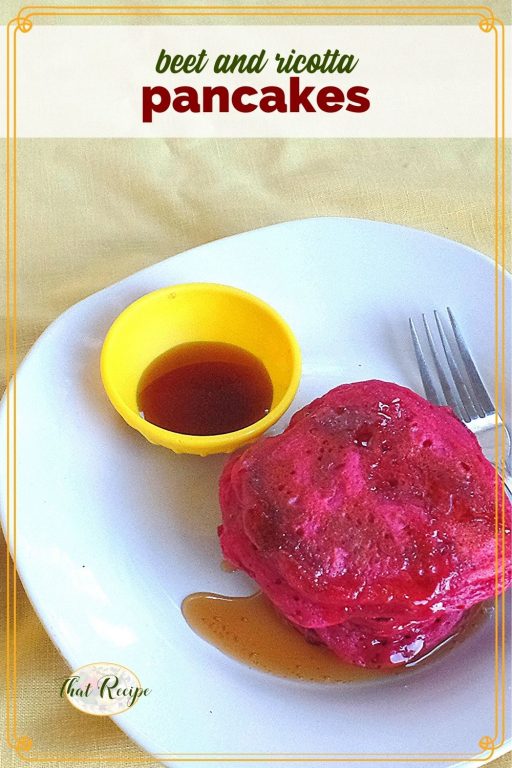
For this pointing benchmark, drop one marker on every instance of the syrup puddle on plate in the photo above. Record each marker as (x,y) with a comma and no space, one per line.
(251,631)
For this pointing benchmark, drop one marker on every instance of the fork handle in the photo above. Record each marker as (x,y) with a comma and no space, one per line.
(507,480)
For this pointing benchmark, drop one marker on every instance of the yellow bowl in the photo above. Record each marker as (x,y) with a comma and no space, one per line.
(197,312)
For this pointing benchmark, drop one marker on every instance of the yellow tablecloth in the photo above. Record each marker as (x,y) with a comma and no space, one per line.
(94,211)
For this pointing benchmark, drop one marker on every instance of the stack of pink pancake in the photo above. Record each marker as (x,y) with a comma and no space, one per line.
(369,522)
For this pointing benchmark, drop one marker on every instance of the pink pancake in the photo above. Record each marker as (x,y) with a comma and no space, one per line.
(370,520)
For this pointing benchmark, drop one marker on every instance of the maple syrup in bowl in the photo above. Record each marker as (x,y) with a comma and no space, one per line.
(200,368)
(205,388)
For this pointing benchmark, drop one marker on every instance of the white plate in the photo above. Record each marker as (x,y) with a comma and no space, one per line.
(113,533)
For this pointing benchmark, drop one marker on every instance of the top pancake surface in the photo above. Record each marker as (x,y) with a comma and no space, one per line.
(372,502)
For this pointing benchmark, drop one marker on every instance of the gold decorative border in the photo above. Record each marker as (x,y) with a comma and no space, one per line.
(487,22)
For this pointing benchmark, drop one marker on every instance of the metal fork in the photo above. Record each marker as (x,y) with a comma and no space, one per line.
(462,388)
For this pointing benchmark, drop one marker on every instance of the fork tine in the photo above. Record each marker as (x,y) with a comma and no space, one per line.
(428,384)
(472,411)
(448,392)
(477,385)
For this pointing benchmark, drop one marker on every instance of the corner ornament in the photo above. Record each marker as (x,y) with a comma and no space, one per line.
(487,24)
(487,744)
(23,23)
(23,744)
